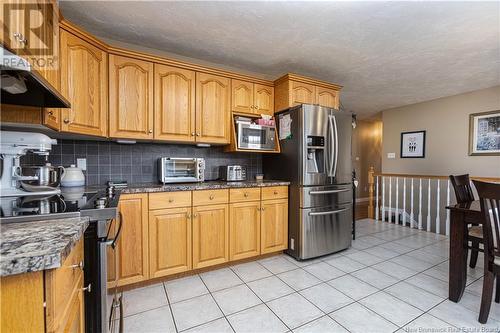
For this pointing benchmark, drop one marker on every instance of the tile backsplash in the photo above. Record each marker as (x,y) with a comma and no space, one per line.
(137,163)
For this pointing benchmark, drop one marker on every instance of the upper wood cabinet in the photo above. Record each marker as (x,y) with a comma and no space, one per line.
(248,97)
(210,235)
(84,84)
(263,99)
(130,98)
(327,97)
(169,241)
(274,225)
(244,229)
(302,93)
(132,248)
(292,90)
(174,104)
(213,98)
(242,96)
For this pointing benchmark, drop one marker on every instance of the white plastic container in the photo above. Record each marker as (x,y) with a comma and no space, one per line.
(72,177)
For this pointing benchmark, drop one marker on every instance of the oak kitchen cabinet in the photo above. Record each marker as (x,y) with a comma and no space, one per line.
(130,98)
(132,247)
(84,83)
(244,229)
(253,98)
(292,90)
(274,225)
(213,98)
(174,108)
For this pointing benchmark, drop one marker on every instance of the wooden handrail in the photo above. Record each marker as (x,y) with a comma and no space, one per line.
(403,175)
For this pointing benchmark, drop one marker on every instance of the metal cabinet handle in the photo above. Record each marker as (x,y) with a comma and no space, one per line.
(66,121)
(193,133)
(197,134)
(211,197)
(195,215)
(329,191)
(275,192)
(170,200)
(150,131)
(245,195)
(79,265)
(87,288)
(50,113)
(188,216)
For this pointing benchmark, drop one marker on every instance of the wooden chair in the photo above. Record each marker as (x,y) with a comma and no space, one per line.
(489,194)
(463,193)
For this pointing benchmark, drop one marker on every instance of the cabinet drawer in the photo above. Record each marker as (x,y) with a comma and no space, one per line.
(210,197)
(244,194)
(274,192)
(169,200)
(60,286)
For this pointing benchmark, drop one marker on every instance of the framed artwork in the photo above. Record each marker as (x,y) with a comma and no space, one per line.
(413,144)
(484,133)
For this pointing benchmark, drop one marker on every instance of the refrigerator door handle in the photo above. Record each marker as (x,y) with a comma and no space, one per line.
(330,146)
(331,212)
(336,147)
(328,192)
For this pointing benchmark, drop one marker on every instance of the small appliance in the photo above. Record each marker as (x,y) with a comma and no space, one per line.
(181,170)
(232,173)
(12,146)
(73,177)
(252,136)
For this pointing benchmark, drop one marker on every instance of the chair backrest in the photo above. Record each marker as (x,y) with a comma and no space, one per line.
(489,195)
(463,190)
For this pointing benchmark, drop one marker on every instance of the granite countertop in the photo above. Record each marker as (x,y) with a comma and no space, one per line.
(38,245)
(208,185)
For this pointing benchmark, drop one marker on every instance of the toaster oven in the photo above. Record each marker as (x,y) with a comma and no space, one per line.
(181,170)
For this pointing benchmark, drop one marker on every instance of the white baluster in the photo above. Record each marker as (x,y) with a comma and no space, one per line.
(412,216)
(404,201)
(420,203)
(448,211)
(376,199)
(383,198)
(396,213)
(438,203)
(390,199)
(429,206)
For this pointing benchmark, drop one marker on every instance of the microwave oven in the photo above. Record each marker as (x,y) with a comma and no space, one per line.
(181,170)
(252,136)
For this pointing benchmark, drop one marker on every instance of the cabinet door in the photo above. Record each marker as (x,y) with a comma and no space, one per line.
(169,241)
(242,96)
(130,98)
(84,84)
(75,320)
(132,247)
(301,93)
(327,97)
(210,235)
(174,104)
(264,99)
(212,108)
(244,230)
(274,226)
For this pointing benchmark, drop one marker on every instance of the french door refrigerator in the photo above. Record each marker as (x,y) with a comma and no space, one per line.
(316,158)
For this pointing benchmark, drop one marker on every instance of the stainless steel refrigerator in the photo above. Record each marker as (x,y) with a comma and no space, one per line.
(316,158)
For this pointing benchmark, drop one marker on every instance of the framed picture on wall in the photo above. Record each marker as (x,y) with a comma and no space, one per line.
(484,133)
(413,144)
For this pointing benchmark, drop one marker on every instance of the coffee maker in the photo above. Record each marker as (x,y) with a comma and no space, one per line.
(13,145)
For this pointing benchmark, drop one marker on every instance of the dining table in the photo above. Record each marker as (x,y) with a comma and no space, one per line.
(461,216)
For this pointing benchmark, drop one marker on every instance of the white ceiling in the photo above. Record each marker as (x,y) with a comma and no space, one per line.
(385,54)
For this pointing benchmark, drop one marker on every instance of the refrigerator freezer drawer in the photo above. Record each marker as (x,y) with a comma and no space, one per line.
(325,196)
(324,231)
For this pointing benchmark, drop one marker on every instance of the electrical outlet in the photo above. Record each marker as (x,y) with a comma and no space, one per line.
(81,163)
(391,155)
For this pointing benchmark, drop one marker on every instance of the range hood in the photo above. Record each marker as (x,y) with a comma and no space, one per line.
(21,85)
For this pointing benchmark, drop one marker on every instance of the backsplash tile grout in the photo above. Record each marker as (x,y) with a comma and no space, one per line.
(138,162)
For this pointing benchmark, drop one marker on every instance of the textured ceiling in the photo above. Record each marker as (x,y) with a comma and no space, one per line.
(385,54)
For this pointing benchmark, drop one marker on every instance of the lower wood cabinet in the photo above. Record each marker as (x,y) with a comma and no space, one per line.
(274,226)
(244,230)
(132,247)
(210,235)
(75,319)
(169,241)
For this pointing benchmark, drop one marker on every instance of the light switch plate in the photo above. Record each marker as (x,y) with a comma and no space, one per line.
(391,155)
(81,163)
